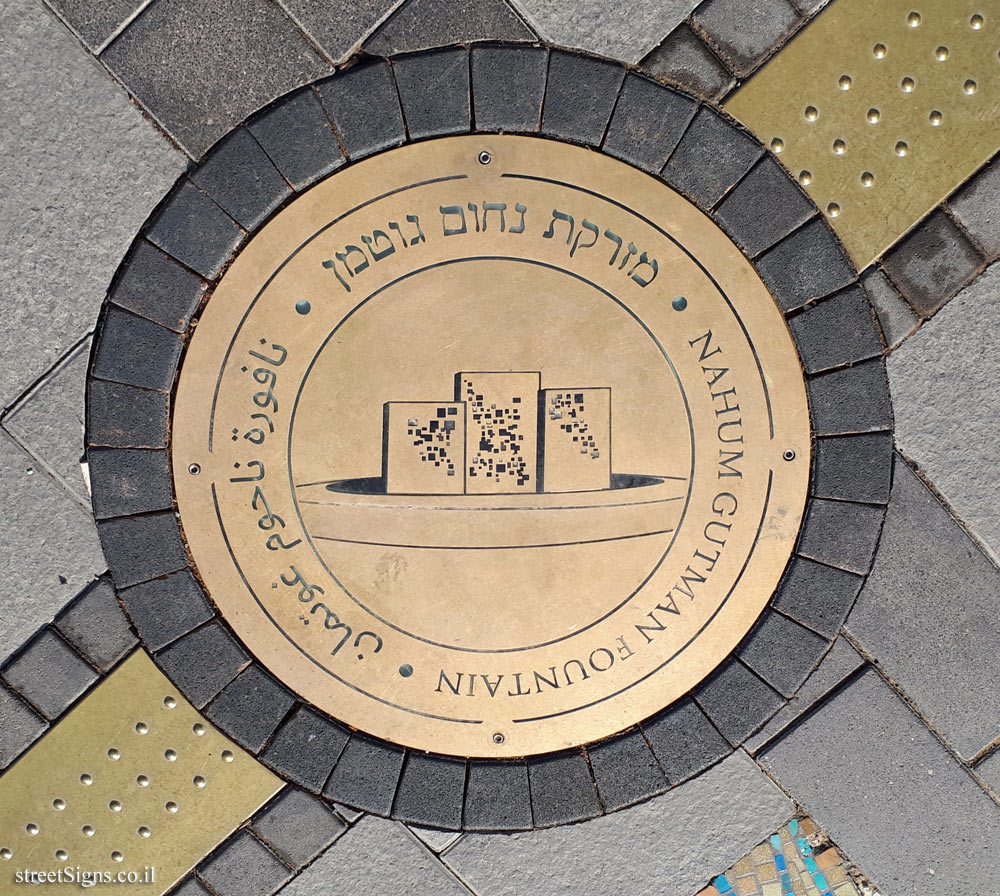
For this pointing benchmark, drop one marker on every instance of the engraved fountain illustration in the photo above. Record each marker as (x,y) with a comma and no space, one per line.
(504,464)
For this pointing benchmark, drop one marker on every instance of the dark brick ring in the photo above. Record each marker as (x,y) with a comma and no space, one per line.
(216,207)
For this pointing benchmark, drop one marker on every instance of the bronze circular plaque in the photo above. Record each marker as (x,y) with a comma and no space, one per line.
(491,445)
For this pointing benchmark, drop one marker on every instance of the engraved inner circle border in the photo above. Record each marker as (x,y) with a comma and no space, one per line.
(491,650)
(690,255)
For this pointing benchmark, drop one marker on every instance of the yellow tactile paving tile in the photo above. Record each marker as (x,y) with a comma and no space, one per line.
(133,778)
(881,110)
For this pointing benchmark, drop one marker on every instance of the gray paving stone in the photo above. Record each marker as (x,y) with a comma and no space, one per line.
(508,86)
(712,156)
(298,827)
(763,207)
(604,28)
(988,769)
(166,608)
(580,95)
(895,316)
(932,263)
(975,206)
(127,481)
(239,177)
(836,331)
(20,726)
(685,60)
(306,748)
(745,34)
(297,136)
(250,707)
(562,789)
(51,551)
(782,652)
(95,22)
(379,857)
(434,92)
(49,421)
(154,286)
(349,98)
(142,547)
(438,841)
(737,701)
(863,761)
(944,388)
(366,774)
(244,867)
(80,153)
(671,844)
(497,796)
(191,886)
(807,265)
(809,7)
(121,416)
(49,673)
(625,770)
(193,229)
(203,662)
(421,24)
(431,791)
(684,741)
(928,615)
(201,68)
(816,595)
(854,468)
(647,123)
(853,399)
(841,533)
(338,28)
(136,351)
(839,664)
(96,626)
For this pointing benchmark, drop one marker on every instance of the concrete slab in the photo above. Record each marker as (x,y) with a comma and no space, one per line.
(627,33)
(376,856)
(864,766)
(944,394)
(51,551)
(338,28)
(82,170)
(928,615)
(671,844)
(48,421)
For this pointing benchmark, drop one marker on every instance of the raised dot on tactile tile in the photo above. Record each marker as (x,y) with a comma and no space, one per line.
(913,19)
(805,178)
(198,781)
(198,728)
(170,702)
(170,755)
(879,51)
(61,855)
(901,149)
(114,754)
(141,728)
(6,853)
(811,113)
(867,179)
(142,781)
(976,22)
(970,87)
(115,806)
(845,82)
(935,118)
(144,832)
(907,85)
(86,780)
(833,210)
(941,53)
(777,145)
(839,147)
(227,756)
(117,857)
(170,807)
(58,805)
(874,115)
(87,830)
(32,829)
